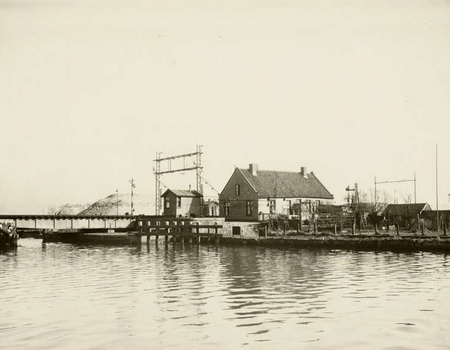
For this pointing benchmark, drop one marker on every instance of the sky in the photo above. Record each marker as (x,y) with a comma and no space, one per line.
(90,90)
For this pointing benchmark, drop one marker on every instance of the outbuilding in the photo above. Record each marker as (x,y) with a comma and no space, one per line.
(184,203)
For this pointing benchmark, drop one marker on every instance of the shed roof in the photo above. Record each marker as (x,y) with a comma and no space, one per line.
(283,184)
(182,193)
(410,209)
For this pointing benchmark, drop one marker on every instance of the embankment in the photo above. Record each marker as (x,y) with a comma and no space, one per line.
(350,242)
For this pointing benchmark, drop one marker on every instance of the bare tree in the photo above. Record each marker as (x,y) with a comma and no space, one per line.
(372,204)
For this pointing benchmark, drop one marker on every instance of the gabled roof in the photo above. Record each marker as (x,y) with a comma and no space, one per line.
(411,209)
(283,184)
(182,193)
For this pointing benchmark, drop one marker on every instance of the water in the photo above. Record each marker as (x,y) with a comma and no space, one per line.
(63,296)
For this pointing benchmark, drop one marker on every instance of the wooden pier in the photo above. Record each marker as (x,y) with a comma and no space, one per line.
(177,230)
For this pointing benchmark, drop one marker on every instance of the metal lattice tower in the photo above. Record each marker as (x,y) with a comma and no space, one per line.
(158,173)
(158,203)
(199,170)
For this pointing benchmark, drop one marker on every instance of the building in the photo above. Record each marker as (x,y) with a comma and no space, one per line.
(252,194)
(405,215)
(182,203)
(211,208)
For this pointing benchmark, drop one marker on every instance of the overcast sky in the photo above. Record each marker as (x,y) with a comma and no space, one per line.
(90,90)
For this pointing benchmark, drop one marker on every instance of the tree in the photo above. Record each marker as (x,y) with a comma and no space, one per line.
(374,205)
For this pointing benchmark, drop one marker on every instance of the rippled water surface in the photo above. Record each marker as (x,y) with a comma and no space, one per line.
(63,296)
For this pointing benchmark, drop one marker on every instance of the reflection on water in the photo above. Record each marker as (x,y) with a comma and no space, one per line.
(96,297)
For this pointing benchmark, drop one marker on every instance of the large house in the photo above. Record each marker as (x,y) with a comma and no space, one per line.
(252,194)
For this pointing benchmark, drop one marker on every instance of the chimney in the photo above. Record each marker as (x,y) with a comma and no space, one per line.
(189,188)
(303,172)
(253,169)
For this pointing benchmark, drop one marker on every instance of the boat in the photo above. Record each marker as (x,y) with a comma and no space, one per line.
(8,235)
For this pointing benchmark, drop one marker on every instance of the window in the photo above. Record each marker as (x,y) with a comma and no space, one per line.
(167,202)
(249,208)
(238,190)
(272,204)
(227,208)
(179,202)
(291,212)
(236,230)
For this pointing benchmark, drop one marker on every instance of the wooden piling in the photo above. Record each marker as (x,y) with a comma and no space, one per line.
(335,229)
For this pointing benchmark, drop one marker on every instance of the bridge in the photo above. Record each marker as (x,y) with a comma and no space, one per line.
(40,222)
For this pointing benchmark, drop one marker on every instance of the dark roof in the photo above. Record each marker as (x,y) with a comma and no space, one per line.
(411,209)
(182,193)
(283,184)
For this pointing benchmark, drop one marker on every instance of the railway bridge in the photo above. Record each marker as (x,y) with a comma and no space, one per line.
(41,222)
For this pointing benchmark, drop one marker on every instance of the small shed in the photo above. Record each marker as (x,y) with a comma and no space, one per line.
(182,203)
(406,215)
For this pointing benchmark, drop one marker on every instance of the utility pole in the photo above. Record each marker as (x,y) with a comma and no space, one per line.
(117,202)
(133,185)
(437,191)
(396,181)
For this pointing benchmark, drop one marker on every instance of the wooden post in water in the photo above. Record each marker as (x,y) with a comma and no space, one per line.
(197,230)
(353,228)
(216,232)
(335,229)
(397,226)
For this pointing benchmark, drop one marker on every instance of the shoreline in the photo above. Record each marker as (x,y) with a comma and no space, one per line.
(383,242)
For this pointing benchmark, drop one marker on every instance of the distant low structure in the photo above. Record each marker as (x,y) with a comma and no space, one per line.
(184,203)
(405,215)
(252,194)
